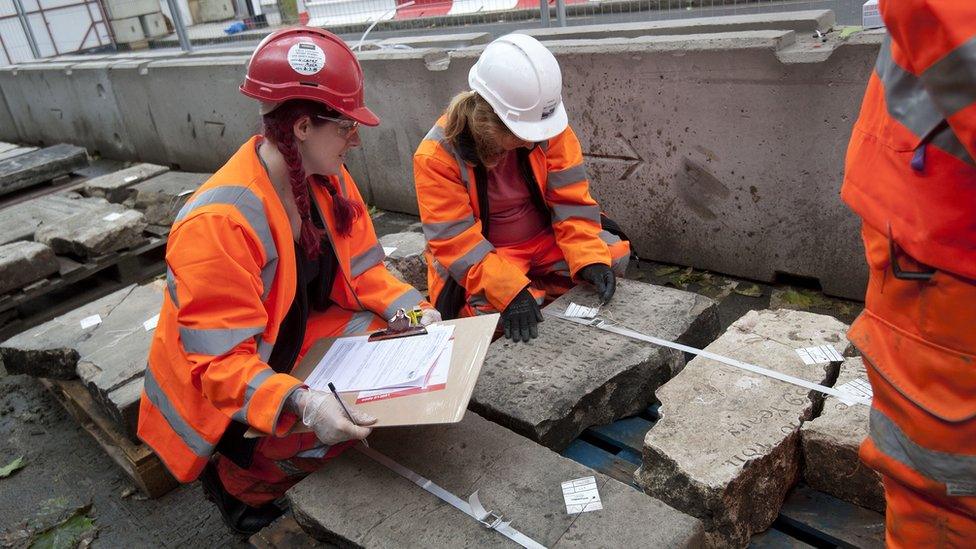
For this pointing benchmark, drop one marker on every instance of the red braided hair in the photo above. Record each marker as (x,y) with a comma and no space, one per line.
(278,128)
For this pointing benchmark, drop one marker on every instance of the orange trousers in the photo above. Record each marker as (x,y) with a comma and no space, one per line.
(281,462)
(918,338)
(543,262)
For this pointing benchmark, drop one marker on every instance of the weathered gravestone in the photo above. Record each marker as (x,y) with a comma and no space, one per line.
(22,263)
(25,170)
(355,501)
(406,258)
(573,377)
(161,197)
(831,442)
(21,221)
(94,233)
(109,357)
(116,187)
(727,448)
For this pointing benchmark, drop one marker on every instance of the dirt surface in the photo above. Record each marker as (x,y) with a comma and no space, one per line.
(66,469)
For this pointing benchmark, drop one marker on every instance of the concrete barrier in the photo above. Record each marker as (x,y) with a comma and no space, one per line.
(720,151)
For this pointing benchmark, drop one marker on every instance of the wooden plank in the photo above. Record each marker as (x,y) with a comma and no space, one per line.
(140,464)
(625,433)
(832,520)
(601,460)
(36,167)
(775,539)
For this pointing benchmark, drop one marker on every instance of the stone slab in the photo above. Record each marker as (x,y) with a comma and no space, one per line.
(161,197)
(19,222)
(354,501)
(573,377)
(407,259)
(117,186)
(50,350)
(727,448)
(9,150)
(22,263)
(91,234)
(35,167)
(830,444)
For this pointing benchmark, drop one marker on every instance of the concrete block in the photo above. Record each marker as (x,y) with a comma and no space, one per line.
(445,41)
(161,197)
(116,187)
(91,234)
(51,349)
(124,9)
(407,258)
(800,21)
(573,376)
(127,30)
(8,130)
(19,222)
(513,476)
(153,25)
(727,448)
(35,167)
(214,10)
(22,263)
(830,445)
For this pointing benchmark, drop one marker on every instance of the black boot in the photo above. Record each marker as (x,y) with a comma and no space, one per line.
(238,516)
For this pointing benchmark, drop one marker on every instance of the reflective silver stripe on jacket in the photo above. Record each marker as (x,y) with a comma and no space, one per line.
(251,207)
(444,230)
(910,104)
(562,212)
(460,267)
(406,301)
(187,434)
(952,469)
(561,178)
(951,80)
(364,261)
(215,341)
(359,322)
(252,387)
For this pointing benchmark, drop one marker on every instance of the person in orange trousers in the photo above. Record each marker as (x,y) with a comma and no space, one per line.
(911,177)
(504,198)
(273,252)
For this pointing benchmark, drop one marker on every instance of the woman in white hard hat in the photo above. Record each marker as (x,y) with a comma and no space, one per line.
(504,198)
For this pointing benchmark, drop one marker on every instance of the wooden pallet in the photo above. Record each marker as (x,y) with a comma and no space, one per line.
(140,464)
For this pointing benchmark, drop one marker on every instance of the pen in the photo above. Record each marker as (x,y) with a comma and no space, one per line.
(344,409)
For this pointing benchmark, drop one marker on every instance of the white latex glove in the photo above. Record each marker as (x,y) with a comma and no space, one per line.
(321,412)
(429,317)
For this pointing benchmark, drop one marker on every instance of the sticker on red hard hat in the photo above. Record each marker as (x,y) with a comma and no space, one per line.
(306,58)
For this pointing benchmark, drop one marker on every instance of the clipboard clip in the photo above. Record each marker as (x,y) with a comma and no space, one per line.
(401,325)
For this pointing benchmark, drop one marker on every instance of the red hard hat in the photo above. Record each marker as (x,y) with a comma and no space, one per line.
(308,63)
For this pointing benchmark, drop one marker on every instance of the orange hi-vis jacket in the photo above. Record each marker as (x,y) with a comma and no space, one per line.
(449,210)
(231,276)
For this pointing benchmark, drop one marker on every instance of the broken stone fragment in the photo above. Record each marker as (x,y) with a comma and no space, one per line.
(161,197)
(407,257)
(116,187)
(20,221)
(727,448)
(573,376)
(514,477)
(831,443)
(95,233)
(22,263)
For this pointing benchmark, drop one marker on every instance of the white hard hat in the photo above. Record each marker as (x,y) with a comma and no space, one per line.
(521,81)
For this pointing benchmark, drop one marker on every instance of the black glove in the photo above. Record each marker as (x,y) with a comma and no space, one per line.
(602,279)
(521,317)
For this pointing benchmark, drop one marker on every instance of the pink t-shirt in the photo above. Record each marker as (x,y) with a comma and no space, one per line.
(513,217)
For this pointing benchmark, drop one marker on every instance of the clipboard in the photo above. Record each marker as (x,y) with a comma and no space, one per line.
(472,336)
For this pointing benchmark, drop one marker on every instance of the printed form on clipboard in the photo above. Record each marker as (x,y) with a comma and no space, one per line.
(386,369)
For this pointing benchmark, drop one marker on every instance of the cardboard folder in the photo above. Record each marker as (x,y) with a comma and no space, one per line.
(472,336)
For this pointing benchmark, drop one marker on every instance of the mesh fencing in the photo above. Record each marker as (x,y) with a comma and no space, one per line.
(62,27)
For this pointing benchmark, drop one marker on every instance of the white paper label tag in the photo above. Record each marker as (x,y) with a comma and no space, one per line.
(821,354)
(151,323)
(579,311)
(112,216)
(184,193)
(131,178)
(306,58)
(581,495)
(389,250)
(89,321)
(859,388)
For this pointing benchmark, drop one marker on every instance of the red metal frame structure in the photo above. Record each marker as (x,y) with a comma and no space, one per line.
(92,25)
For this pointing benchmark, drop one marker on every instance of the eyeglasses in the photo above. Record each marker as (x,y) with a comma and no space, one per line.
(345,126)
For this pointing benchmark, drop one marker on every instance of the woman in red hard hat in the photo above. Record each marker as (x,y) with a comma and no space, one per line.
(271,253)
(504,197)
